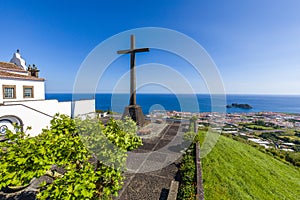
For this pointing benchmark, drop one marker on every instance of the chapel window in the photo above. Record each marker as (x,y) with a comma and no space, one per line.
(9,91)
(28,91)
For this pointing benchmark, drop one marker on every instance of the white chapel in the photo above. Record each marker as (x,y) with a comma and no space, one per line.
(22,98)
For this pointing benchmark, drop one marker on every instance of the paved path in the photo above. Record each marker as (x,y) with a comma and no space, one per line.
(161,153)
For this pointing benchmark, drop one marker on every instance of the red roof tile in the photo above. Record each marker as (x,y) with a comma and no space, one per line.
(11,67)
(9,75)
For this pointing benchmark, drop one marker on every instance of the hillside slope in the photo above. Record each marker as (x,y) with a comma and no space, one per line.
(234,170)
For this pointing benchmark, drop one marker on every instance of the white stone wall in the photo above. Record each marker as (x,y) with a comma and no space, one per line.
(83,107)
(49,107)
(64,108)
(38,88)
(29,117)
(39,113)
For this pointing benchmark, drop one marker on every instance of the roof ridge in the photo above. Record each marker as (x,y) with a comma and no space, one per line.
(5,74)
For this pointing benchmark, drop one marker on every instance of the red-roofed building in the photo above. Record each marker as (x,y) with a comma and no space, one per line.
(22,98)
(20,83)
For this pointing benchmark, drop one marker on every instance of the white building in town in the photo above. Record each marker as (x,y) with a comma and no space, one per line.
(22,98)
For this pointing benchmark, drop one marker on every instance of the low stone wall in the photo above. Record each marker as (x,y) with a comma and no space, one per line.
(173,190)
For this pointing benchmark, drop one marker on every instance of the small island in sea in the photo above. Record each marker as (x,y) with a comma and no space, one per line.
(237,105)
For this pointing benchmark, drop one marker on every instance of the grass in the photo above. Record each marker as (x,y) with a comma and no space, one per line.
(234,170)
(291,138)
(257,127)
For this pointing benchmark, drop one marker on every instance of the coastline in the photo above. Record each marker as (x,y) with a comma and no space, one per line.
(188,102)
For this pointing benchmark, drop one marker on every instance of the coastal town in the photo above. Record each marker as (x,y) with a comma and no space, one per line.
(268,129)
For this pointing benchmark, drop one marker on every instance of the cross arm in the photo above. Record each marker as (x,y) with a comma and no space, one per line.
(142,50)
(133,51)
(124,51)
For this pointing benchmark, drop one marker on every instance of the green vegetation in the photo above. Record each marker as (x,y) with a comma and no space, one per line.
(284,156)
(260,125)
(272,136)
(257,127)
(67,144)
(188,187)
(108,111)
(187,170)
(286,136)
(240,169)
(292,139)
(234,170)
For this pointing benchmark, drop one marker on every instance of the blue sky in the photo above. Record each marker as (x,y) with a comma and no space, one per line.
(254,43)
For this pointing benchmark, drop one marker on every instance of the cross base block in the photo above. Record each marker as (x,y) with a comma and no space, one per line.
(135,113)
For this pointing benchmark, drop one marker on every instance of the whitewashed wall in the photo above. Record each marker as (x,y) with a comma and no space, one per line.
(29,117)
(38,114)
(84,107)
(64,108)
(38,87)
(49,107)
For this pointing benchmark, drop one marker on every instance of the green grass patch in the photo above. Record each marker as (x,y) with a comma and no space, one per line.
(257,127)
(234,170)
(291,138)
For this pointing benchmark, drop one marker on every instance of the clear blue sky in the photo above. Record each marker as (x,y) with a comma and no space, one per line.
(254,43)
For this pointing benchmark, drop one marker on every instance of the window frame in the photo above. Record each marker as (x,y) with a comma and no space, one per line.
(9,86)
(32,91)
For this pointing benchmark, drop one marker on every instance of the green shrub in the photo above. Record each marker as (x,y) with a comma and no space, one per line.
(188,188)
(70,144)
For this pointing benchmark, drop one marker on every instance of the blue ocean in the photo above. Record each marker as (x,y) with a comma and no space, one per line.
(190,102)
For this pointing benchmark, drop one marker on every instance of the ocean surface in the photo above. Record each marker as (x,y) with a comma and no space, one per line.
(190,102)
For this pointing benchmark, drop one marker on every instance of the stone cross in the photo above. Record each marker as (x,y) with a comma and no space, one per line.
(132,51)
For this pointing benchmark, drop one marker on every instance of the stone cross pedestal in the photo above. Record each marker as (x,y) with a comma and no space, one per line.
(133,110)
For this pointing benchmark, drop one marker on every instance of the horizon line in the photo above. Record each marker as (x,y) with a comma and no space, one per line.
(258,94)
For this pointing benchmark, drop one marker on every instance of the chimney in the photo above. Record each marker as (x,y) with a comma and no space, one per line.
(33,71)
